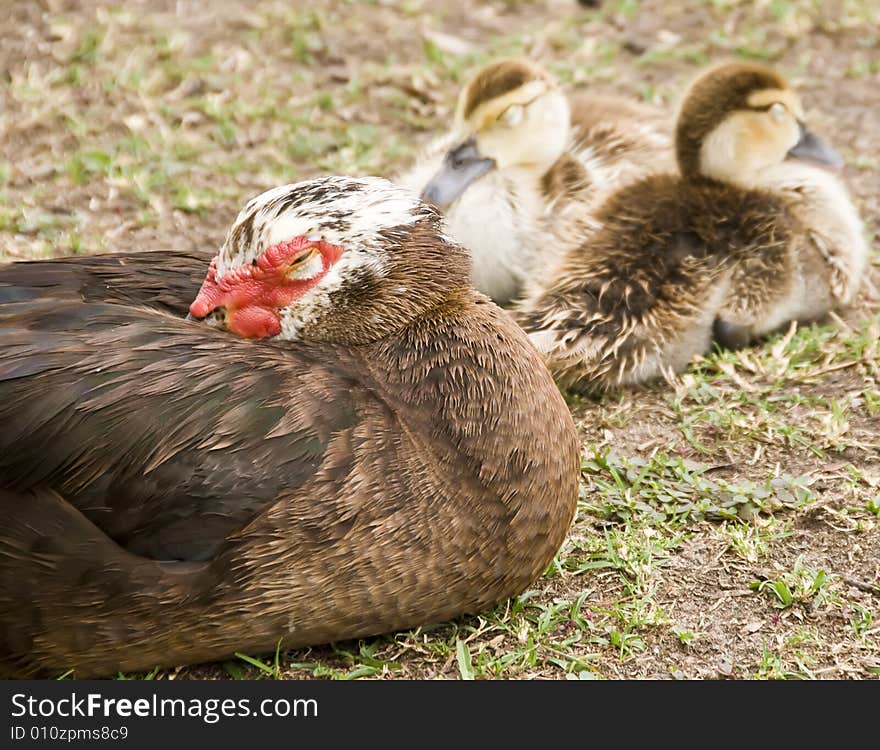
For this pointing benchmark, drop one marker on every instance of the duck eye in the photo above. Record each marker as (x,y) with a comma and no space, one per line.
(778,109)
(295,268)
(512,116)
(299,259)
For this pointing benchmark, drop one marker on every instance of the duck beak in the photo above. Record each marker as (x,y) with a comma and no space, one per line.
(462,165)
(812,148)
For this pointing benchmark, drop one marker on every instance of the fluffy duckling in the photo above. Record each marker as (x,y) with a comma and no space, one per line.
(521,160)
(749,235)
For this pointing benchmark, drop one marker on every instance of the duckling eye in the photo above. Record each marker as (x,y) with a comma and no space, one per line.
(512,116)
(778,109)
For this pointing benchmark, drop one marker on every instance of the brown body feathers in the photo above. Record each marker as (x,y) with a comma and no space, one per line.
(171,494)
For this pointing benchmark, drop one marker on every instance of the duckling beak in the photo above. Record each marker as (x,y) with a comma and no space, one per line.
(812,148)
(462,165)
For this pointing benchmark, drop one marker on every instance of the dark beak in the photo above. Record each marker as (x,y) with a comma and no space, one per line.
(462,165)
(812,148)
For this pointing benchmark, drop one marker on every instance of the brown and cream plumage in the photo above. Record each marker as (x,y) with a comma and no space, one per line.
(393,453)
(523,160)
(746,238)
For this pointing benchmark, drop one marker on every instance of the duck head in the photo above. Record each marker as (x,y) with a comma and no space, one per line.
(738,119)
(330,259)
(510,114)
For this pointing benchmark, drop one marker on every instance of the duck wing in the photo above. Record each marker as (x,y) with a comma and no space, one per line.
(161,279)
(165,434)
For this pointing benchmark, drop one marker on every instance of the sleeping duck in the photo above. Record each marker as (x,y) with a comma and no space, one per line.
(521,160)
(172,493)
(750,235)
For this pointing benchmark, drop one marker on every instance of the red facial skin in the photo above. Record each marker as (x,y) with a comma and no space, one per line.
(252,294)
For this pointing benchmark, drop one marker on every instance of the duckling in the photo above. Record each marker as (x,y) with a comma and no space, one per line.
(749,235)
(385,450)
(521,160)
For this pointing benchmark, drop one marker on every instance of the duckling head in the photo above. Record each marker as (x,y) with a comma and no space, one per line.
(330,259)
(738,119)
(510,114)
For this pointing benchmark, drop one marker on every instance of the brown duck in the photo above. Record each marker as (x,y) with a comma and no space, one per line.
(521,159)
(393,453)
(747,237)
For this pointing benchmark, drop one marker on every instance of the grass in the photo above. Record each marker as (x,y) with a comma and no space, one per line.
(802,584)
(671,488)
(722,518)
(753,541)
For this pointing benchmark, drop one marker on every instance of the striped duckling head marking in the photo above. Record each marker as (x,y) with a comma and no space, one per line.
(738,119)
(511,114)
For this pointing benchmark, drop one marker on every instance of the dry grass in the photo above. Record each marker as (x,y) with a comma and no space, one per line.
(728,526)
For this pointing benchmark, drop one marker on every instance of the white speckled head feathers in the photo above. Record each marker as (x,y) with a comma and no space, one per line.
(347,211)
(333,258)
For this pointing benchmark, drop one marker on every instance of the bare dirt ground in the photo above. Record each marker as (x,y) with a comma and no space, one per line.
(730,524)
